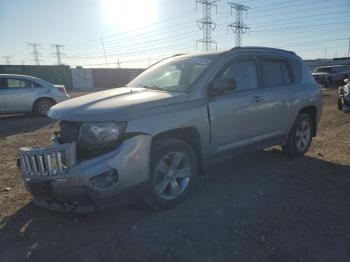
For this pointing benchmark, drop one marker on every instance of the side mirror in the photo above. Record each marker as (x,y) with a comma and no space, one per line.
(222,85)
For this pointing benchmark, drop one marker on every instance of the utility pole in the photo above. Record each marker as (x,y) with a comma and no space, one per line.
(238,27)
(58,53)
(206,24)
(104,51)
(7,59)
(35,52)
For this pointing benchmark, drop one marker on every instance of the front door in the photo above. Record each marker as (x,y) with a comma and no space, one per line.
(242,117)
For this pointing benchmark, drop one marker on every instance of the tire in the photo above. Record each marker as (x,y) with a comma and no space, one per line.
(300,136)
(42,106)
(169,186)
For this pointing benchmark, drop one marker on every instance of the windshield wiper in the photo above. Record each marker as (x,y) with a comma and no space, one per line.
(153,87)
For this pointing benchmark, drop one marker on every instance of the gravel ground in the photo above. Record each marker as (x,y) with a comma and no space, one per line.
(262,206)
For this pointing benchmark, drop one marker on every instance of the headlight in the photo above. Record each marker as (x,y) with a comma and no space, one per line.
(98,135)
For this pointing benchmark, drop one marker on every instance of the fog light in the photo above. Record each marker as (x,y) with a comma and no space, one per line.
(105,180)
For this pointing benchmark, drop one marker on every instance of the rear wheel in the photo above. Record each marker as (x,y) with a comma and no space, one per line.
(42,106)
(174,173)
(300,136)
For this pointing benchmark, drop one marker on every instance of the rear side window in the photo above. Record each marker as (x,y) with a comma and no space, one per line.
(16,83)
(275,73)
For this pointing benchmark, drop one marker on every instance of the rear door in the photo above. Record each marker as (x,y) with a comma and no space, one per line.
(19,95)
(279,91)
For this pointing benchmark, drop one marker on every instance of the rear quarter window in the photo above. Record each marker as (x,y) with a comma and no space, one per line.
(296,68)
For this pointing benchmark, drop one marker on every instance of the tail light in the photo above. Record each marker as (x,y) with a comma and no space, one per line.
(62,89)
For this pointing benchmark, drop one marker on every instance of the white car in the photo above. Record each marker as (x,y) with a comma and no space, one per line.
(26,94)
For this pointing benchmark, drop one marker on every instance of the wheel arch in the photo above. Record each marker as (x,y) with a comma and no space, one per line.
(312,112)
(189,135)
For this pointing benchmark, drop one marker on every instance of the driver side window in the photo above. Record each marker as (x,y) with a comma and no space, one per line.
(244,72)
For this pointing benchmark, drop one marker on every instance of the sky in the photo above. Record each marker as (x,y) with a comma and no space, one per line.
(136,33)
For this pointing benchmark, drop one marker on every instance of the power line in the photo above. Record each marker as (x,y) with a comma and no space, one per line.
(35,52)
(238,27)
(206,24)
(144,35)
(7,59)
(58,52)
(177,44)
(104,51)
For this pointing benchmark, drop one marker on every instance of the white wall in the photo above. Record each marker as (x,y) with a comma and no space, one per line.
(82,79)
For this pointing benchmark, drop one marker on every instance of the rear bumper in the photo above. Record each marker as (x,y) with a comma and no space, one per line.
(75,189)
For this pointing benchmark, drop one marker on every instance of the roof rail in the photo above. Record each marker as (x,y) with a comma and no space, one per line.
(263,47)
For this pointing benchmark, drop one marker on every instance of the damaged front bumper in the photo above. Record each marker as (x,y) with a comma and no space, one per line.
(58,181)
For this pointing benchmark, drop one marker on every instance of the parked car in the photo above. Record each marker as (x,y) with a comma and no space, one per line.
(24,94)
(344,97)
(157,135)
(330,75)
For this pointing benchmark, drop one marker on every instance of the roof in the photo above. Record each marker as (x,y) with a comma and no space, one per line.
(262,48)
(16,75)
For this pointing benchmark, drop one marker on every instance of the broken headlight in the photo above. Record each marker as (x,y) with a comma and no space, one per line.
(100,137)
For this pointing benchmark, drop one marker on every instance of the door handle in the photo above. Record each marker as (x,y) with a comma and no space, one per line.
(257,99)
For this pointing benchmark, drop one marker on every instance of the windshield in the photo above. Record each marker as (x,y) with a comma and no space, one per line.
(173,74)
(324,70)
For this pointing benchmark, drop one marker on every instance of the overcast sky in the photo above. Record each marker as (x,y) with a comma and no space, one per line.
(138,32)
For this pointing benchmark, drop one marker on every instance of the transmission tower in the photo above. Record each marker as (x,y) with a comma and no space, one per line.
(58,53)
(35,52)
(238,27)
(7,59)
(206,24)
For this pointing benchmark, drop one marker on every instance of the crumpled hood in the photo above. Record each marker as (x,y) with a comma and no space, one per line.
(114,104)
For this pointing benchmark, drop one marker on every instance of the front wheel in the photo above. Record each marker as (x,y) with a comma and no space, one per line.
(174,173)
(300,136)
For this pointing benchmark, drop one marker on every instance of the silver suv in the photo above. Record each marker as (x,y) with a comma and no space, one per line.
(157,135)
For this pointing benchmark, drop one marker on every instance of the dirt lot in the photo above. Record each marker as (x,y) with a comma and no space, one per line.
(262,206)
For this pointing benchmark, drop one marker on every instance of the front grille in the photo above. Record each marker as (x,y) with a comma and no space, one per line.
(51,161)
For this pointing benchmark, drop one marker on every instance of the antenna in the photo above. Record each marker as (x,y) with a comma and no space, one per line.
(238,27)
(206,24)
